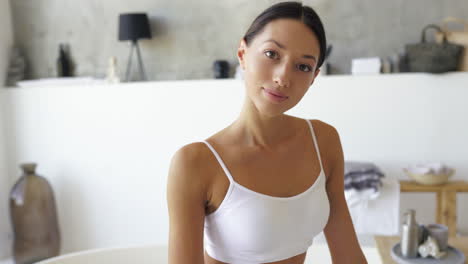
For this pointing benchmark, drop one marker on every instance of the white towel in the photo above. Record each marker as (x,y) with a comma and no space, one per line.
(354,196)
(378,216)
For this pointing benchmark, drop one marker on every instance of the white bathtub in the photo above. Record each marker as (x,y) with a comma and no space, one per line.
(152,254)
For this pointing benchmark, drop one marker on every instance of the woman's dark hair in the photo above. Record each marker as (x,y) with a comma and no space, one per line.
(294,10)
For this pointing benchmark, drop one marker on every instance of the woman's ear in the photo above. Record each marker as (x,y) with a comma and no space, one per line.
(241,53)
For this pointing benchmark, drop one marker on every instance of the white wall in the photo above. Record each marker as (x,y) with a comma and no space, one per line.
(106,149)
(6,41)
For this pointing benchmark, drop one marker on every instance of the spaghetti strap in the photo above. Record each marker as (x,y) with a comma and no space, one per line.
(314,138)
(225,169)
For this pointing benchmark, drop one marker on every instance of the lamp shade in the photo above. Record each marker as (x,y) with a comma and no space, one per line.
(134,26)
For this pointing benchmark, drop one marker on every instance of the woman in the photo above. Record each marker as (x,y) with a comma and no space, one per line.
(260,189)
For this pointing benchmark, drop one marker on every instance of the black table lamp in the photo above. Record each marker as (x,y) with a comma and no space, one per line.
(134,26)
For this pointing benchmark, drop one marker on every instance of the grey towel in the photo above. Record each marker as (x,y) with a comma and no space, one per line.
(362,175)
(359,167)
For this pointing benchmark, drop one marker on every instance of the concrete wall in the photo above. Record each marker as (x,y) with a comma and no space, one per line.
(6,41)
(108,165)
(190,35)
(6,38)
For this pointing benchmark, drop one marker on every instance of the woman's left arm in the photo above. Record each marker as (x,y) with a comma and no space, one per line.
(339,231)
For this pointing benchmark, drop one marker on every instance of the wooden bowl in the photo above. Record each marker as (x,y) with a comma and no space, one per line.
(430,179)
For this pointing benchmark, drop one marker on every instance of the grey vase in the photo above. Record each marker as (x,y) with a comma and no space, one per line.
(34,218)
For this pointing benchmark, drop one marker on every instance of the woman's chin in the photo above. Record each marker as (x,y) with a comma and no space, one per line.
(271,110)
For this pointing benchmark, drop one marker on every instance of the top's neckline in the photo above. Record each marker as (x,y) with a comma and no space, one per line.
(297,196)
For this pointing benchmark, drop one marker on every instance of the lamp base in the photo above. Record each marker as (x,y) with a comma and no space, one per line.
(143,76)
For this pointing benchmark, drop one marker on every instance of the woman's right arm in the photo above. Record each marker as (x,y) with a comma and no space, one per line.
(186,196)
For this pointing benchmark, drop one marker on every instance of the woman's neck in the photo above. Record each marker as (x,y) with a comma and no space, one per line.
(258,130)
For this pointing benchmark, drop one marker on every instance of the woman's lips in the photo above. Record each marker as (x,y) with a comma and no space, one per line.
(273,97)
(271,91)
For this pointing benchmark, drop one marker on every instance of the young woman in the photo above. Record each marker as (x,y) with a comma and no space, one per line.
(260,189)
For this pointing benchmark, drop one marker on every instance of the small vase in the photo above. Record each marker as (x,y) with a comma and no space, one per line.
(34,218)
(221,69)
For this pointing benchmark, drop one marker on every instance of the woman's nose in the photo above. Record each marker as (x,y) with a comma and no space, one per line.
(282,76)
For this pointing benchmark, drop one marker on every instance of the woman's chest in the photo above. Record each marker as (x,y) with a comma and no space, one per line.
(275,175)
(283,174)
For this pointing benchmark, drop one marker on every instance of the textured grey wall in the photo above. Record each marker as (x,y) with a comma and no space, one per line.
(188,36)
(6,38)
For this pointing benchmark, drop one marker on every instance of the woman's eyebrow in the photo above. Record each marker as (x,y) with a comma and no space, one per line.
(306,56)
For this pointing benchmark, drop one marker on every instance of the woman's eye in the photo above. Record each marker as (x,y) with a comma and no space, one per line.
(274,55)
(305,68)
(271,54)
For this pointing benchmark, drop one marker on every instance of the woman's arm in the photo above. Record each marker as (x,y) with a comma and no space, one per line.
(339,231)
(185,199)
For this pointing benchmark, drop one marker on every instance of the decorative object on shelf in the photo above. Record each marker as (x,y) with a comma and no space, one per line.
(221,69)
(371,65)
(430,249)
(134,26)
(17,68)
(457,37)
(440,234)
(65,67)
(386,65)
(433,57)
(433,173)
(112,71)
(399,61)
(410,235)
(421,244)
(33,217)
(394,61)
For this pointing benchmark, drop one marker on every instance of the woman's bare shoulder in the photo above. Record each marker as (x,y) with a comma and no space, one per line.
(191,152)
(186,199)
(192,156)
(323,130)
(329,143)
(191,163)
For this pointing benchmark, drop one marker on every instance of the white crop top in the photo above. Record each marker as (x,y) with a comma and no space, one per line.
(252,228)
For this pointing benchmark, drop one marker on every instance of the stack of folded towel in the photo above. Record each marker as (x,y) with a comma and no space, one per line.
(362,181)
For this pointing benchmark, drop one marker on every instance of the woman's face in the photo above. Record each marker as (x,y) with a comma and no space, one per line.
(281,59)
